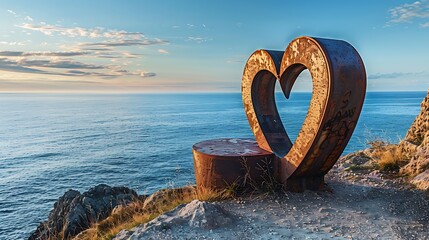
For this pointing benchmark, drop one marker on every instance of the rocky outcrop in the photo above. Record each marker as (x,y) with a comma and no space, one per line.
(418,135)
(196,215)
(74,212)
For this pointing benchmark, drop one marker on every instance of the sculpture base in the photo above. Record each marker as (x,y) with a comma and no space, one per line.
(235,164)
(314,183)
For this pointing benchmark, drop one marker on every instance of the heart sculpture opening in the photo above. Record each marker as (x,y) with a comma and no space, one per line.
(339,85)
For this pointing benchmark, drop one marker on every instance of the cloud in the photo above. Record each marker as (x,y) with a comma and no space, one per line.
(424,25)
(408,12)
(12,66)
(10,53)
(21,43)
(47,54)
(57,64)
(163,51)
(394,75)
(147,74)
(102,47)
(121,43)
(72,32)
(198,39)
(11,12)
(74,68)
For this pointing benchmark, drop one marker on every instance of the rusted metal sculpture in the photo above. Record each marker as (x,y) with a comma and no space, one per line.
(339,84)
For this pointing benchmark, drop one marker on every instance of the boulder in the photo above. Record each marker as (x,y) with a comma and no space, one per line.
(75,212)
(195,216)
(421,181)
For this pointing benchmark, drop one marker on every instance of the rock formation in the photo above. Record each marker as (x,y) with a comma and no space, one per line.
(418,135)
(195,215)
(75,212)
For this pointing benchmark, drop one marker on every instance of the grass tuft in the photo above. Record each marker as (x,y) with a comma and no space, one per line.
(390,157)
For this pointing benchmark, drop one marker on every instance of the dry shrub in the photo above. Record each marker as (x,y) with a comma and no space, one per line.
(206,194)
(390,157)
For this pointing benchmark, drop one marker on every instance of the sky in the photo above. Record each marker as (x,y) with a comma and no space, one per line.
(198,45)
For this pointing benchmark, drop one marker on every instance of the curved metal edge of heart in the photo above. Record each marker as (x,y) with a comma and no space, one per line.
(339,86)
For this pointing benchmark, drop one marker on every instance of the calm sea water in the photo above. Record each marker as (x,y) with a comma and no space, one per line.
(50,143)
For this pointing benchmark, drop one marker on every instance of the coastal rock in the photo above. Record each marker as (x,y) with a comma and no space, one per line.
(354,159)
(408,149)
(422,180)
(75,212)
(417,133)
(418,163)
(195,215)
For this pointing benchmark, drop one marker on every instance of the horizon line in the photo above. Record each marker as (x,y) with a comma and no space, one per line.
(171,92)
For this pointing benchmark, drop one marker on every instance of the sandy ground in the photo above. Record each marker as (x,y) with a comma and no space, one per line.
(362,205)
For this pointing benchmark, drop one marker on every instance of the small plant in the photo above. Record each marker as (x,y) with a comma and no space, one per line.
(206,194)
(390,157)
(264,183)
(270,183)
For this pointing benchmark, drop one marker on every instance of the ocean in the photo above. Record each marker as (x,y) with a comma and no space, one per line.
(50,143)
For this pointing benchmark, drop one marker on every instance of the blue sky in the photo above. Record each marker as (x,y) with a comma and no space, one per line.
(192,46)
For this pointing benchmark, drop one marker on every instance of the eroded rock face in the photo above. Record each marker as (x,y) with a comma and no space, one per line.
(418,163)
(75,212)
(418,134)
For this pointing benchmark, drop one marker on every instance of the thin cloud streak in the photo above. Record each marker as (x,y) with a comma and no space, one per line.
(147,74)
(98,32)
(49,67)
(198,39)
(395,75)
(107,45)
(163,51)
(57,64)
(44,54)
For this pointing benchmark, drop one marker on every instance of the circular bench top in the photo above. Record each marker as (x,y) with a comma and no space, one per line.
(231,147)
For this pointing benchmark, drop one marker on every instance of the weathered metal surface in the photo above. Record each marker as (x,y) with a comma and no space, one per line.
(232,163)
(339,85)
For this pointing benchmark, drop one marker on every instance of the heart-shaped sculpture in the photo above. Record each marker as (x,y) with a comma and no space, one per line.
(339,85)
